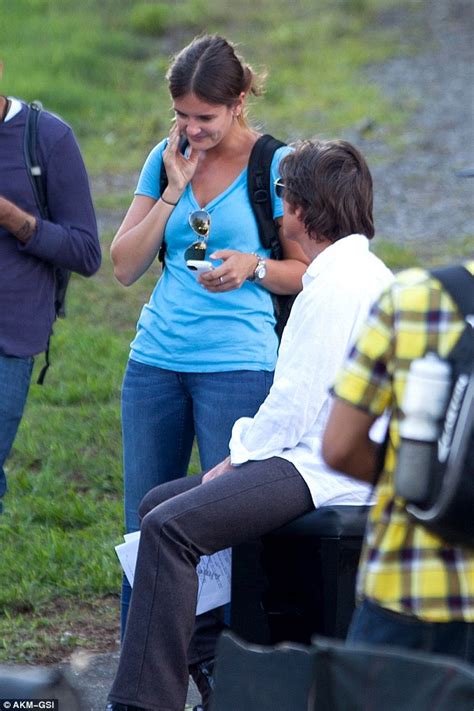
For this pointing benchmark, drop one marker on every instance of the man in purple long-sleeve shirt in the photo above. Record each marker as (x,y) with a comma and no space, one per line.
(30,249)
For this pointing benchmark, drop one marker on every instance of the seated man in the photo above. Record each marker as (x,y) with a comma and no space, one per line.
(275,472)
(415,589)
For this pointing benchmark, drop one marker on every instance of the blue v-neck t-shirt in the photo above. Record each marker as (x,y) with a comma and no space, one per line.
(185,328)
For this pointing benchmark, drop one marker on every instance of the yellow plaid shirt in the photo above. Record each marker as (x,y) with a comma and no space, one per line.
(404,567)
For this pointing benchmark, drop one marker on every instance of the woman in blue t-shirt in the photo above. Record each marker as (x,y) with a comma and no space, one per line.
(205,347)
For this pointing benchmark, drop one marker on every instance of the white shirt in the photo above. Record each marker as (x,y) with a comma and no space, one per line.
(339,288)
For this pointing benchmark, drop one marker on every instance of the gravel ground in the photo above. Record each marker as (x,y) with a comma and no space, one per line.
(418,196)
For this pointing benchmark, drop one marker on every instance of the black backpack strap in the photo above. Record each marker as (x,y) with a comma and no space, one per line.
(259,191)
(37,179)
(260,196)
(163,178)
(46,365)
(61,277)
(30,143)
(459,283)
(183,144)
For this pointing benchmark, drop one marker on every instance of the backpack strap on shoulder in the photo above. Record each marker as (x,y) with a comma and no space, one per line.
(30,143)
(459,283)
(37,179)
(183,144)
(259,191)
(260,196)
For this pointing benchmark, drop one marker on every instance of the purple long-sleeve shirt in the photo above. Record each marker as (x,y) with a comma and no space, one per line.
(68,240)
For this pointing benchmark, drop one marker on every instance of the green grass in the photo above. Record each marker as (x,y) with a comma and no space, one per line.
(61,629)
(397,256)
(63,508)
(63,511)
(101,65)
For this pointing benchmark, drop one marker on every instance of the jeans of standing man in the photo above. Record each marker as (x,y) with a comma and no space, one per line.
(15,377)
(372,624)
(183,520)
(162,411)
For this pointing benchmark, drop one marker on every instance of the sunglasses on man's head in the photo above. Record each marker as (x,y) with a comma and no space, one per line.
(280,187)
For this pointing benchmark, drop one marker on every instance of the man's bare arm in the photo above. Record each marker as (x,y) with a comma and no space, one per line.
(346,444)
(18,222)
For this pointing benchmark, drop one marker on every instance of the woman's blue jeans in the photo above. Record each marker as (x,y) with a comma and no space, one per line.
(15,377)
(162,412)
(372,624)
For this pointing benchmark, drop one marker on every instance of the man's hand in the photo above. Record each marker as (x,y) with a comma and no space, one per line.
(18,222)
(218,470)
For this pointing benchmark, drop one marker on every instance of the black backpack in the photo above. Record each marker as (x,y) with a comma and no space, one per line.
(37,178)
(449,511)
(259,191)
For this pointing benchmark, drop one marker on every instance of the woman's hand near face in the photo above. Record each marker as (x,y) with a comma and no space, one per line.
(179,169)
(138,240)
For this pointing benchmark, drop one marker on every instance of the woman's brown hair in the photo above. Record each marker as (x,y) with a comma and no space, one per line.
(210,68)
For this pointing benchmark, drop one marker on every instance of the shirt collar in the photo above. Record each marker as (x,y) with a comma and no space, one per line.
(354,244)
(15,108)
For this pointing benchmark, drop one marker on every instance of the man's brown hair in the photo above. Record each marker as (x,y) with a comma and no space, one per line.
(331,182)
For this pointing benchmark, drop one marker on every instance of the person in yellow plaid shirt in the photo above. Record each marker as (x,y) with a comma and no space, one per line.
(414,589)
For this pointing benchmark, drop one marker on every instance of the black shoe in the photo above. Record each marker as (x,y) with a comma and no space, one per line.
(202,677)
(115,706)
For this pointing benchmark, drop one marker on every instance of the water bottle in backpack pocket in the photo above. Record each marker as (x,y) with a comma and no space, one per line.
(435,466)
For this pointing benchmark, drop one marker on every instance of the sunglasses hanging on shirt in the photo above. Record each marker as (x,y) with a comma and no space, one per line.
(195,254)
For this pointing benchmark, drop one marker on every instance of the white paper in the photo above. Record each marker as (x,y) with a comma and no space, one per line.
(127,554)
(214,573)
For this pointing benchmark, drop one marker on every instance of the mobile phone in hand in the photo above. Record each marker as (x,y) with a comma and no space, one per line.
(199,266)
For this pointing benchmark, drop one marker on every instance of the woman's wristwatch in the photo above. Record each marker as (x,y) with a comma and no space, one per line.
(260,270)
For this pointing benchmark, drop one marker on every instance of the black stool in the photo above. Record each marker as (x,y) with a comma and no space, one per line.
(299,580)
